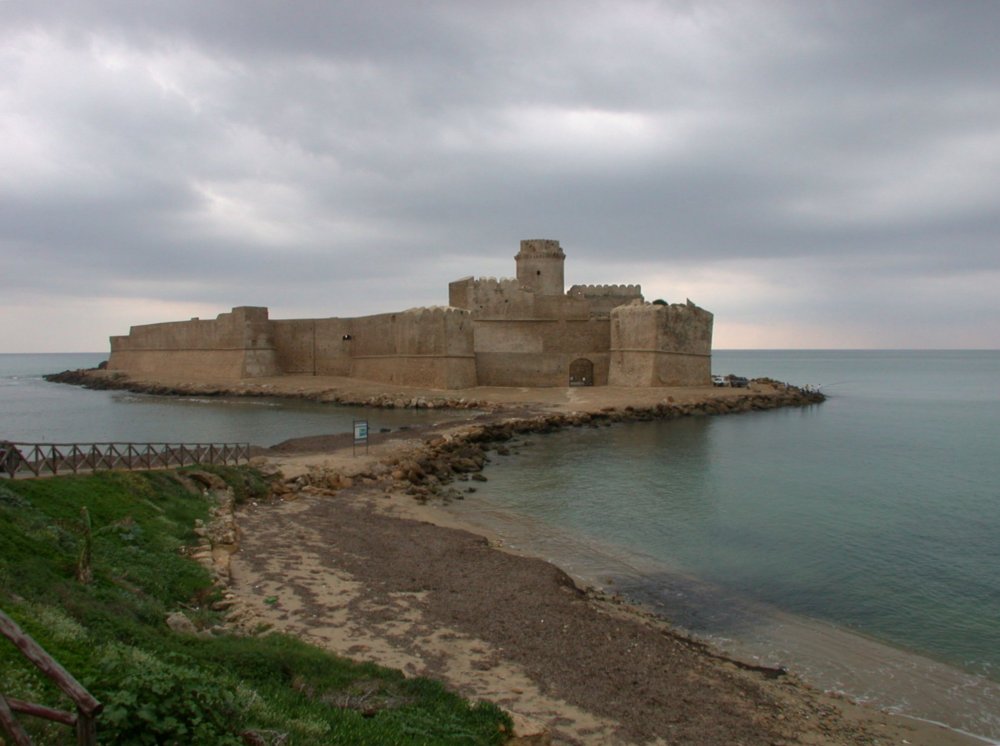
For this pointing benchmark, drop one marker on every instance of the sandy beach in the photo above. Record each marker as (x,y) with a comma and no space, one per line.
(356,553)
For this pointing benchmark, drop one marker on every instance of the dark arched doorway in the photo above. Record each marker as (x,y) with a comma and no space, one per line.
(581,372)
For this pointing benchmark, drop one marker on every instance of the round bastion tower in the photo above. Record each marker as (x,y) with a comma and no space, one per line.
(540,266)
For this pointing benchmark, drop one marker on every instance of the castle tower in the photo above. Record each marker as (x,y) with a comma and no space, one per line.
(540,266)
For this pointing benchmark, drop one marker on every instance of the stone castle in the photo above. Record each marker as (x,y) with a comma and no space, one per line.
(523,331)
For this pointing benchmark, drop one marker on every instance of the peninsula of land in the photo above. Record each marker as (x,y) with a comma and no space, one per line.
(357,554)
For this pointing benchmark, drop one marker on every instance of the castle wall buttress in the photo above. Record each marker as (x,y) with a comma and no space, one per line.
(661,345)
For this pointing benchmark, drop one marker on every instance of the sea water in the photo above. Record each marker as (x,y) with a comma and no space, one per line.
(33,410)
(856,542)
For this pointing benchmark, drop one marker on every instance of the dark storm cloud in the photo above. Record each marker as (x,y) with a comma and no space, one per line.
(335,158)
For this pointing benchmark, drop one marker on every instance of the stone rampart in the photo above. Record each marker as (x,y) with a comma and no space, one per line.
(539,352)
(314,347)
(489,297)
(237,344)
(430,347)
(562,307)
(600,291)
(603,298)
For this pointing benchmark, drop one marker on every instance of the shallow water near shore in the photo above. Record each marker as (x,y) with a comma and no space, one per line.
(779,534)
(33,410)
(828,656)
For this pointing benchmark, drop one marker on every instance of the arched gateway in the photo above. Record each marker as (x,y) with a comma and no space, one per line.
(581,372)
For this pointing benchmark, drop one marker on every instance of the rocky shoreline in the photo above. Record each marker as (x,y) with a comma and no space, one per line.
(778,394)
(461,453)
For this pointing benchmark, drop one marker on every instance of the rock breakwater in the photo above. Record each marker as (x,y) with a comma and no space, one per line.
(461,453)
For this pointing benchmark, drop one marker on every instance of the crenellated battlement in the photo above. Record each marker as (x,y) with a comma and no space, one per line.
(661,308)
(498,284)
(603,298)
(435,311)
(541,247)
(597,291)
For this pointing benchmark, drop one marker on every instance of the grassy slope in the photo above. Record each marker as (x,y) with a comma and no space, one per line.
(162,687)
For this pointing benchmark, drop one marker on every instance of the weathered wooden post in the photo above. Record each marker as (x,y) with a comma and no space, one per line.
(87,708)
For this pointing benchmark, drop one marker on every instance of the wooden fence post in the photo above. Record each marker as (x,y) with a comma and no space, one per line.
(87,708)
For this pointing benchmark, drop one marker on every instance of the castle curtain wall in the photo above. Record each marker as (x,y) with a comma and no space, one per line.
(421,347)
(523,338)
(233,345)
(603,298)
(312,347)
(429,347)
(491,298)
(539,352)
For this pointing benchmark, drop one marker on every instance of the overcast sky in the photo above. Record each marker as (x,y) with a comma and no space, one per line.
(817,174)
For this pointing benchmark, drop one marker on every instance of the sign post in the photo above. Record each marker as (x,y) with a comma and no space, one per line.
(360,435)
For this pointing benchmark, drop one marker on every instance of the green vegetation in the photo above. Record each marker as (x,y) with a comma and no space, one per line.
(90,566)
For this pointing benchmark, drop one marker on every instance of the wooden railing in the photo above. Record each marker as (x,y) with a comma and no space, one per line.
(87,708)
(50,459)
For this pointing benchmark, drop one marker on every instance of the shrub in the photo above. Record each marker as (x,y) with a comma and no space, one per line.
(151,701)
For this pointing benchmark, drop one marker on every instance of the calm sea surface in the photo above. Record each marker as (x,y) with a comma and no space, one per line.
(857,541)
(775,533)
(33,410)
